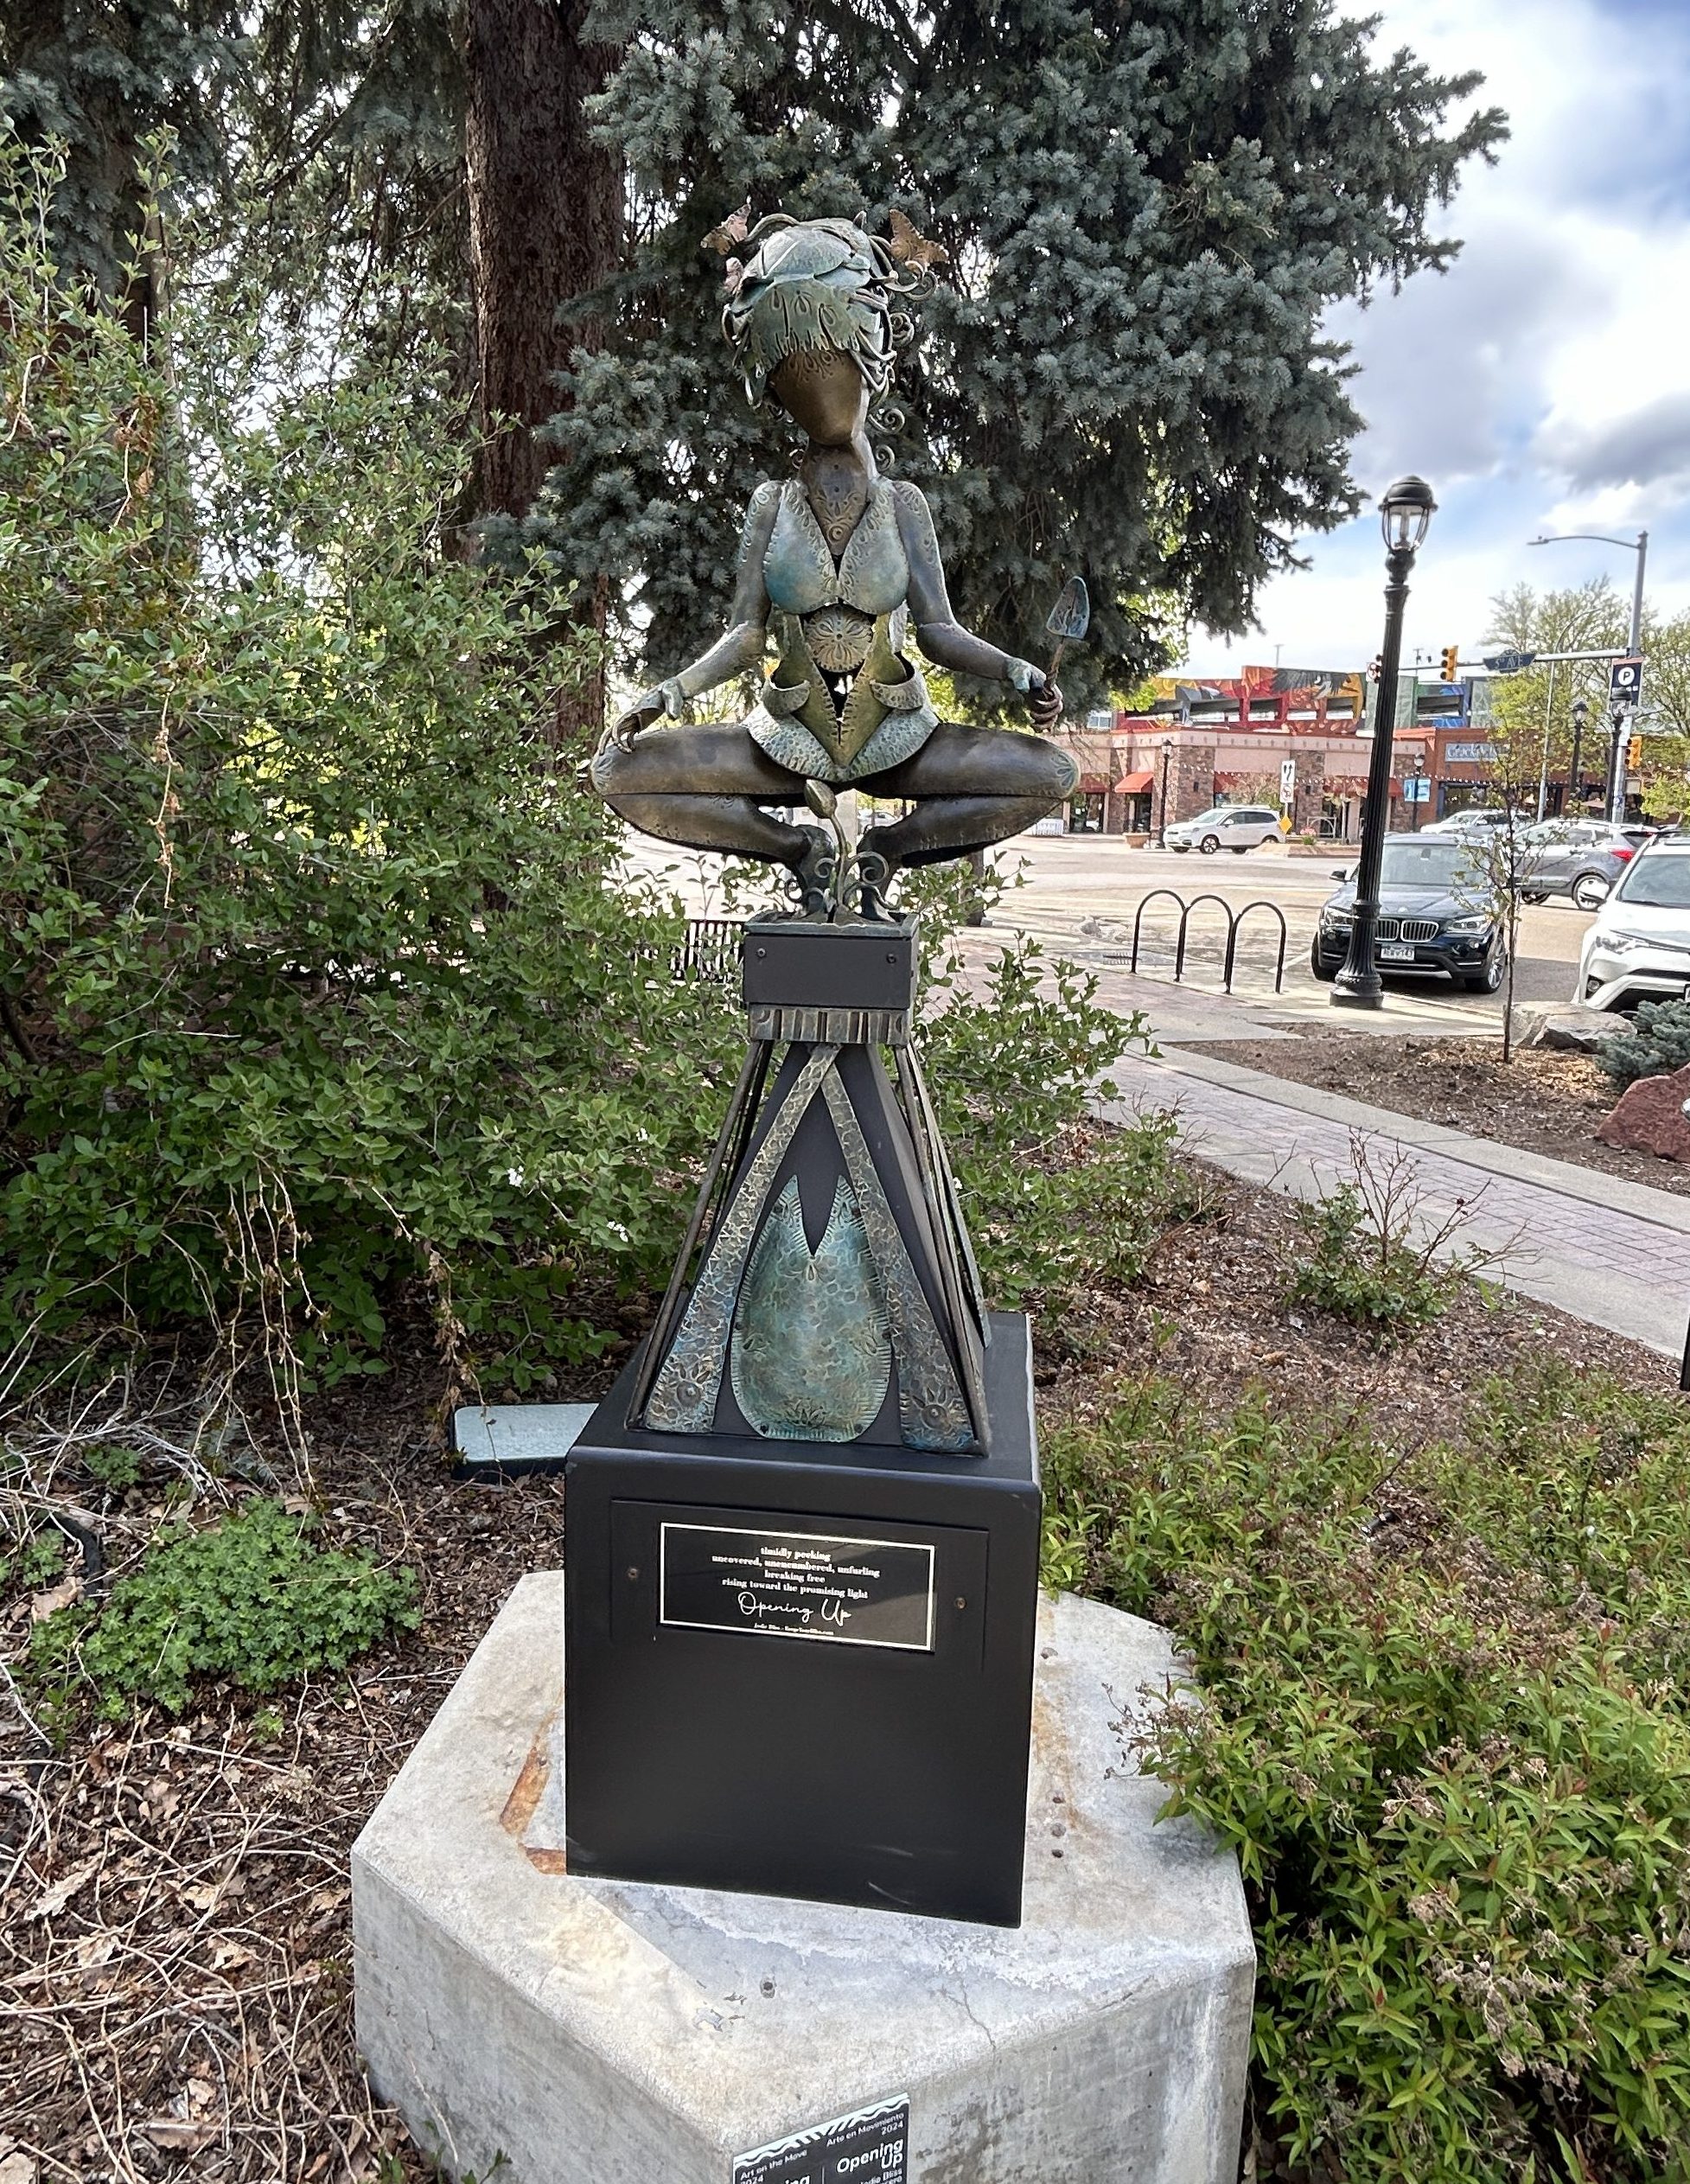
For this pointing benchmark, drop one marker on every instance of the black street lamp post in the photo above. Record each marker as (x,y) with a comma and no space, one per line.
(1405,513)
(1581,713)
(1162,809)
(1613,798)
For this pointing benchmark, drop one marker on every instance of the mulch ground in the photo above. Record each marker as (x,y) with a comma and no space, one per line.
(1543,1100)
(176,1947)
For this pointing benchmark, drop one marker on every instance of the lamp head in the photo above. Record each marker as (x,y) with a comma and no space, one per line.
(1581,710)
(1405,512)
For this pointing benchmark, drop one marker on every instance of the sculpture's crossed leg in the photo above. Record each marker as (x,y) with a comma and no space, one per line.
(968,786)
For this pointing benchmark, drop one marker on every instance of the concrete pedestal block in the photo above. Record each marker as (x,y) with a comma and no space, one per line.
(607,2033)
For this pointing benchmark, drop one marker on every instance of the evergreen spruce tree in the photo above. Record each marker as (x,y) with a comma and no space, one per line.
(1121,371)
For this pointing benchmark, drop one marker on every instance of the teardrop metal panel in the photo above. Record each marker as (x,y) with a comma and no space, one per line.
(812,1357)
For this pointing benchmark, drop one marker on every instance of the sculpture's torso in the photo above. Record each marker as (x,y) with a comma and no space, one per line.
(871,575)
(841,701)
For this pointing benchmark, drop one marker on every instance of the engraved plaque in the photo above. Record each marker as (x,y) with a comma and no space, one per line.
(841,1591)
(871,2147)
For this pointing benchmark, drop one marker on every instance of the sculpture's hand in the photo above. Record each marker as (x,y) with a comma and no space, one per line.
(649,705)
(1043,696)
(1045,704)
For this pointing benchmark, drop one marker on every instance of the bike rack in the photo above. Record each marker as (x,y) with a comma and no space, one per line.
(1196,903)
(1273,909)
(1235,919)
(709,950)
(1174,897)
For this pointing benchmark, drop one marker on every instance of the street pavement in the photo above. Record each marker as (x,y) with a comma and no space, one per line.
(1084,892)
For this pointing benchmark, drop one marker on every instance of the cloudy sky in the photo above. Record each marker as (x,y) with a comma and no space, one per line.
(1542,384)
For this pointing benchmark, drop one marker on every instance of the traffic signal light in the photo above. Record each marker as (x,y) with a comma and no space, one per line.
(1451,660)
(1634,754)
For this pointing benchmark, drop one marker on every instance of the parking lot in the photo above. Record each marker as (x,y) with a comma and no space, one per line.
(1086,890)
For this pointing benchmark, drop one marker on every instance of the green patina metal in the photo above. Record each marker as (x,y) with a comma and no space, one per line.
(811,1355)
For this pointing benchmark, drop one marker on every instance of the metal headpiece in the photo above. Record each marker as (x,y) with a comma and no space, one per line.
(819,284)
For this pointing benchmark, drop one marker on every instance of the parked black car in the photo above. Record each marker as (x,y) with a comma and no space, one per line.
(1439,911)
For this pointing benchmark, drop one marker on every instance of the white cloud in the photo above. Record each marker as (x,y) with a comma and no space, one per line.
(1541,383)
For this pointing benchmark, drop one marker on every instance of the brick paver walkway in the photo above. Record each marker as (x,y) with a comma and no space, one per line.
(1614,1253)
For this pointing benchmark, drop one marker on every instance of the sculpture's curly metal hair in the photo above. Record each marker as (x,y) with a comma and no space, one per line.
(812,284)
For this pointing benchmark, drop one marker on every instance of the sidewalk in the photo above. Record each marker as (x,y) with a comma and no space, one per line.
(1614,1253)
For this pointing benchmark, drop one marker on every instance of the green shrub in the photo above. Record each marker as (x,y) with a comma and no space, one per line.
(1387,1288)
(249,1601)
(1658,1041)
(1376,1257)
(1446,1730)
(1053,1200)
(314,981)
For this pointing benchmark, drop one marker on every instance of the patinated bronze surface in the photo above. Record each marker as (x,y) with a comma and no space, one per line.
(838,564)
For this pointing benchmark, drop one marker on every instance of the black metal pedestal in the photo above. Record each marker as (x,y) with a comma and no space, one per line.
(801,1670)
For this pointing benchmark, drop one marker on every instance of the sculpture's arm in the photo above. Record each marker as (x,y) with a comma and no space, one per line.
(943,639)
(738,649)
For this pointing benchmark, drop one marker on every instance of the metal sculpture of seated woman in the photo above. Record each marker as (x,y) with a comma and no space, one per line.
(837,565)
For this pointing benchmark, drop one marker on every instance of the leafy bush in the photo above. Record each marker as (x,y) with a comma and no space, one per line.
(1446,1732)
(1052,1199)
(315,981)
(1375,1259)
(1658,1042)
(1356,1275)
(249,1600)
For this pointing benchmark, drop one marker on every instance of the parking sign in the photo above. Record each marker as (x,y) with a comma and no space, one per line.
(1287,781)
(1625,682)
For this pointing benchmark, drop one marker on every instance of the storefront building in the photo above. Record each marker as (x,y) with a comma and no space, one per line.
(1287,736)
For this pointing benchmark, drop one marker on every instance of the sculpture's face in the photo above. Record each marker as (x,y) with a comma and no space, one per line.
(824,393)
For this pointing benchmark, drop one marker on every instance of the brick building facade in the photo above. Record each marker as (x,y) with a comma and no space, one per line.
(1226,742)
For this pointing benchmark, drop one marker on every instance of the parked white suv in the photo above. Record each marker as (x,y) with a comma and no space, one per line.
(1235,827)
(1638,948)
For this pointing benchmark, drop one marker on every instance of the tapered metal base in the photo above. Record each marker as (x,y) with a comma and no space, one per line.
(1363,994)
(826,1289)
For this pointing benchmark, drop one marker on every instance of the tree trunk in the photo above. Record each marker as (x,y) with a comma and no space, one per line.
(546,225)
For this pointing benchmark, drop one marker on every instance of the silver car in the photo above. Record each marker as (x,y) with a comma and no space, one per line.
(1582,857)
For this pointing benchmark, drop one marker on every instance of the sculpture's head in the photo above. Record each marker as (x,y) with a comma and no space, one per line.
(811,319)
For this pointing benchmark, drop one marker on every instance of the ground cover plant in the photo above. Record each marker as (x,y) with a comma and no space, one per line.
(250,1601)
(1446,1730)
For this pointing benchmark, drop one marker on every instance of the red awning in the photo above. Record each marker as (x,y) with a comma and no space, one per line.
(1093,785)
(1136,784)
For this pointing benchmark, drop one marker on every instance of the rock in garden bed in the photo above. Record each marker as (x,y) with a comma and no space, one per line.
(1650,1118)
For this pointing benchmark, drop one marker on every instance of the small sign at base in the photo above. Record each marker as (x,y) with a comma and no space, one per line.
(868,2147)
